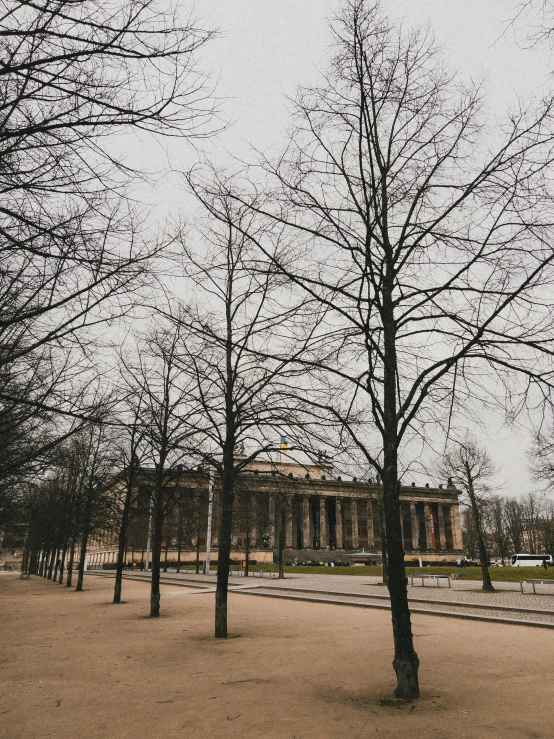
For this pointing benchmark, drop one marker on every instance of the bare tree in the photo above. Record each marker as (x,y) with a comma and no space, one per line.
(69,505)
(513,513)
(73,74)
(469,533)
(131,447)
(535,18)
(471,468)
(547,527)
(496,516)
(238,313)
(541,459)
(28,433)
(97,466)
(169,421)
(423,240)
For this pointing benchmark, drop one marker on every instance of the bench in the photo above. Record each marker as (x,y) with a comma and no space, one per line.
(12,566)
(536,582)
(263,573)
(438,578)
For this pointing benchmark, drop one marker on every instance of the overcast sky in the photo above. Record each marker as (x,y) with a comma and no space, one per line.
(268,47)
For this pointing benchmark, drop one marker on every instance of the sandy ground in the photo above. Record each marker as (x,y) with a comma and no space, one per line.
(73,666)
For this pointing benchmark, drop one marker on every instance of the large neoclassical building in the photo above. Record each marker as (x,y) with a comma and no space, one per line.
(325,518)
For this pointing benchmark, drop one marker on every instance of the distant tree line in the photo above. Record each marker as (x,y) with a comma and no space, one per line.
(512,525)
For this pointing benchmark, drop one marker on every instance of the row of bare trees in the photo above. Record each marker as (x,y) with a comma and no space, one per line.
(68,507)
(75,253)
(496,526)
(513,525)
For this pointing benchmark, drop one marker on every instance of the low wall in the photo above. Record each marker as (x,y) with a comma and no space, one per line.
(259,556)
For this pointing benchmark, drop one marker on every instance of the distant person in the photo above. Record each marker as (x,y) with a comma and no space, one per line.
(545,564)
(458,562)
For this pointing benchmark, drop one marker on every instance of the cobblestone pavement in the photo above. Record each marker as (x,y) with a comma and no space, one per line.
(508,594)
(443,609)
(462,600)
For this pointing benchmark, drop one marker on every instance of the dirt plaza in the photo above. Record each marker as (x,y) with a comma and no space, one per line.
(73,665)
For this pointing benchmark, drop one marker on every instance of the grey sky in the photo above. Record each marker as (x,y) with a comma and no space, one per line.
(268,47)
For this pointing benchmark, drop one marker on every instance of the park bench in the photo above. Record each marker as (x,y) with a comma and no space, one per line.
(423,578)
(536,582)
(263,573)
(12,566)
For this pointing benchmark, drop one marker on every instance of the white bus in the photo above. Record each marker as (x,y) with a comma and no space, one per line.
(531,560)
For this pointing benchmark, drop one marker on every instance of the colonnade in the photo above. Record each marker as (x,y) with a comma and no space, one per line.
(321,522)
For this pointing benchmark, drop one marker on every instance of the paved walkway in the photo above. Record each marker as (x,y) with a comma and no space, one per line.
(462,600)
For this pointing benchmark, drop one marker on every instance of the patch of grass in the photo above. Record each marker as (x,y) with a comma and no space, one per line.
(499,574)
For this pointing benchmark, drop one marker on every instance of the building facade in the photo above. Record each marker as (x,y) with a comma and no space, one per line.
(324,519)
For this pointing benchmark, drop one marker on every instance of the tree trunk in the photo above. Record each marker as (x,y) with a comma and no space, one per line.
(282,535)
(51,564)
(82,559)
(247,541)
(165,558)
(57,565)
(25,561)
(41,568)
(33,560)
(45,561)
(69,578)
(198,546)
(385,559)
(157,521)
(62,564)
(122,543)
(37,561)
(483,554)
(384,556)
(406,662)
(179,538)
(224,551)
(26,555)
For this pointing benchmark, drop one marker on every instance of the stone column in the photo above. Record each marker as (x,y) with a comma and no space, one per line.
(271,522)
(428,535)
(323,536)
(456,526)
(370,529)
(415,526)
(354,509)
(307,542)
(338,525)
(288,531)
(442,531)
